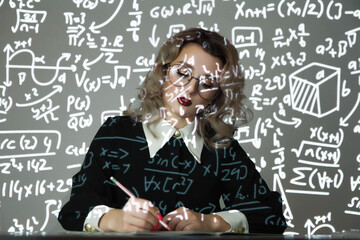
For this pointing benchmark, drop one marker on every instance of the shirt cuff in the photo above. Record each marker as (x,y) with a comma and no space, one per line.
(91,223)
(236,219)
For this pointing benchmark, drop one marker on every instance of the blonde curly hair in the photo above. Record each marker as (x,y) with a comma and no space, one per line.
(218,122)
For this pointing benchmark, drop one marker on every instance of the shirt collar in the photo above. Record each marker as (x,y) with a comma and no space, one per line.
(164,131)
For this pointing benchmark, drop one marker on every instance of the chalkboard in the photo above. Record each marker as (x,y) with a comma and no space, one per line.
(68,65)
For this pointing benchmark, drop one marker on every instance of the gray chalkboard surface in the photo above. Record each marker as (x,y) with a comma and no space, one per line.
(65,66)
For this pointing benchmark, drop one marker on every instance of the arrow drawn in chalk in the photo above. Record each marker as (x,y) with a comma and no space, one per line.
(343,121)
(8,49)
(295,121)
(88,63)
(152,39)
(94,28)
(57,88)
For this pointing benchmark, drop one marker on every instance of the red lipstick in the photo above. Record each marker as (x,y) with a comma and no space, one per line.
(184,101)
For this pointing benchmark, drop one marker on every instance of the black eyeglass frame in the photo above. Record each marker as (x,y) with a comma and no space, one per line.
(167,69)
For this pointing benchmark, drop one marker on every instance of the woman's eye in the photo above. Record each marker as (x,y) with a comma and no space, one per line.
(183,72)
(204,84)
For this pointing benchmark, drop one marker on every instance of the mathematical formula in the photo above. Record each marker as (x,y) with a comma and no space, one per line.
(67,68)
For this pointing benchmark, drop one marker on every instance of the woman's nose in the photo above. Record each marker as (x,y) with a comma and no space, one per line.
(191,87)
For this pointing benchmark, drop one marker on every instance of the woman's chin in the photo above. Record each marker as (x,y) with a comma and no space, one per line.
(179,115)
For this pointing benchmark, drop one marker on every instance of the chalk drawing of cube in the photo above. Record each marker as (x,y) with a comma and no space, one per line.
(315,89)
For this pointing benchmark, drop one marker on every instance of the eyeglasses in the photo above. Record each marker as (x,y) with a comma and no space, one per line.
(207,87)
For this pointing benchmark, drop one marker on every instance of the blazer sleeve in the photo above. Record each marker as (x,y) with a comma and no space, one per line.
(90,186)
(245,190)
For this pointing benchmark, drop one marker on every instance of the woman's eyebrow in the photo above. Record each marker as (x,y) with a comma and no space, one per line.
(182,63)
(185,64)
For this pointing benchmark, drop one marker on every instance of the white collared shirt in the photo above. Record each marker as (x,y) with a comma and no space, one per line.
(163,131)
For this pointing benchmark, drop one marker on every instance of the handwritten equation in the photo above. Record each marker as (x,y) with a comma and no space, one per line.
(67,67)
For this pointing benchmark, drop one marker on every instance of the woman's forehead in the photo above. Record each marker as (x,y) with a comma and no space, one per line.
(195,57)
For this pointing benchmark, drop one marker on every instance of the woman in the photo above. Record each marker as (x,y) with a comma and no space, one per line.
(176,153)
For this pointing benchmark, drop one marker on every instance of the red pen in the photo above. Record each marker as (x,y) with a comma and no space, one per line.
(133,196)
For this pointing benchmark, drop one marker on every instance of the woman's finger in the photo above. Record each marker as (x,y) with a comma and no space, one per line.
(147,216)
(186,221)
(174,218)
(142,209)
(141,205)
(183,219)
(138,223)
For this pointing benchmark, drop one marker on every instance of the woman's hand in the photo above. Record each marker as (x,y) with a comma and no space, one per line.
(183,219)
(137,215)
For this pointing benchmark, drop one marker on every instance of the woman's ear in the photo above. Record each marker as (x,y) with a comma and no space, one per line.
(207,110)
(165,68)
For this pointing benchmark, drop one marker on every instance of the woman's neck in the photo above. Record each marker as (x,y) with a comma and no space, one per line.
(177,121)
